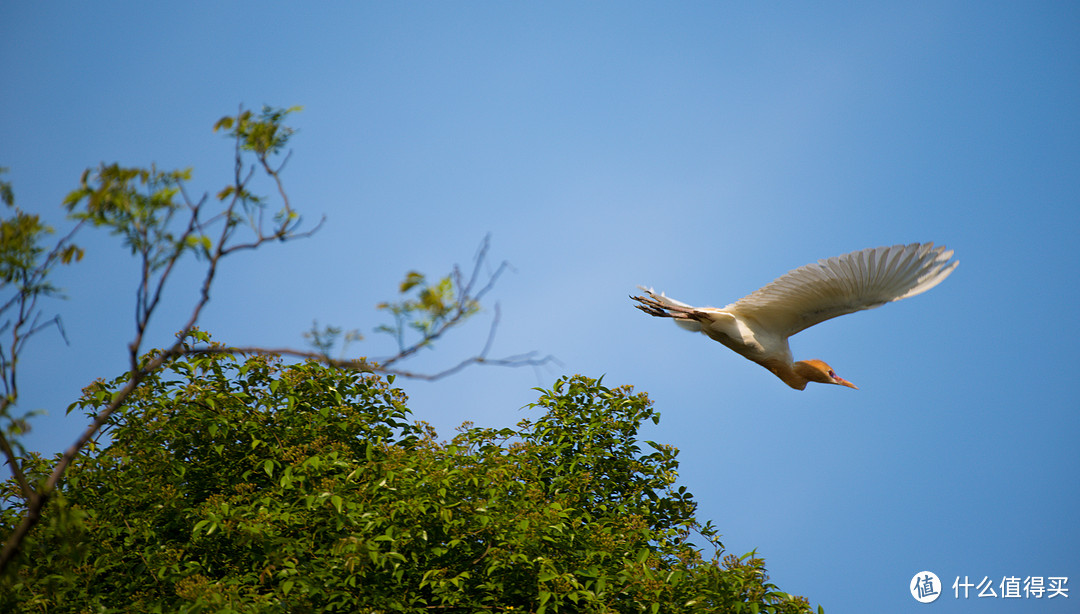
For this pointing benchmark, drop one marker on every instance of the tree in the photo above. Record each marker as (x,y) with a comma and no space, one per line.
(250,485)
(153,214)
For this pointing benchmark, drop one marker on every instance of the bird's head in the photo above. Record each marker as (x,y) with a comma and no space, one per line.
(817,371)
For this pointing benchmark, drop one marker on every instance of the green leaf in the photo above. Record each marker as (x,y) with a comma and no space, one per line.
(225,123)
(412,279)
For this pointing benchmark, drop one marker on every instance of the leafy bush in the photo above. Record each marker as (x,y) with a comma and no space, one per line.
(233,485)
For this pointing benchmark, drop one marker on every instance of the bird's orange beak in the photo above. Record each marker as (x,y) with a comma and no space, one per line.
(843,382)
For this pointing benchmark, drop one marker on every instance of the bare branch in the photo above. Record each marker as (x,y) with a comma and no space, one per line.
(13,462)
(464,304)
(290,235)
(364,365)
(517,360)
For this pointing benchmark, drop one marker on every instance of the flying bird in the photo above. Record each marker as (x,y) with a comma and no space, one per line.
(757,326)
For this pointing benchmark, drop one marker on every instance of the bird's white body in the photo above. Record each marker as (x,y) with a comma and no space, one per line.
(758,326)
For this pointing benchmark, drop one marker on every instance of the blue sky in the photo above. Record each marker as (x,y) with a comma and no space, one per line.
(701,148)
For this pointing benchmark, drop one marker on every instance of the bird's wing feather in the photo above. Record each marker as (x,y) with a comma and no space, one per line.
(667,301)
(836,286)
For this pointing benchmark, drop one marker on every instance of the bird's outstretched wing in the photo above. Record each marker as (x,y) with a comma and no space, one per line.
(836,286)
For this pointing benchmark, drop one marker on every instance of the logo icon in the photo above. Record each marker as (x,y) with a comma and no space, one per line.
(925,587)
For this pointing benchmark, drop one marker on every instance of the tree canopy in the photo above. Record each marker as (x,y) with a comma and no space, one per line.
(244,484)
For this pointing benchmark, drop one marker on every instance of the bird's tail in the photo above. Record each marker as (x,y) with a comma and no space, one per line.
(663,307)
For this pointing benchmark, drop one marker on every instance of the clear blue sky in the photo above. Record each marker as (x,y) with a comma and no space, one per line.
(701,148)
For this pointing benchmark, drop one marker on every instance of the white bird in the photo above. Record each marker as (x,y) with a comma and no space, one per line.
(757,326)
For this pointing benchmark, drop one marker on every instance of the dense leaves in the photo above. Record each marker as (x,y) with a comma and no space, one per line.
(236,485)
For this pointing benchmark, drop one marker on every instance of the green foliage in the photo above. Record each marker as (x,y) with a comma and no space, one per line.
(7,195)
(27,260)
(138,204)
(253,486)
(160,224)
(427,308)
(22,251)
(264,134)
(324,339)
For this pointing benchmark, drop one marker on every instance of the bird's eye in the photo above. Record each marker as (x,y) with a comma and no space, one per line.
(832,373)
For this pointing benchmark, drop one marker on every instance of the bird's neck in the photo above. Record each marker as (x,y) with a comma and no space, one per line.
(795,375)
